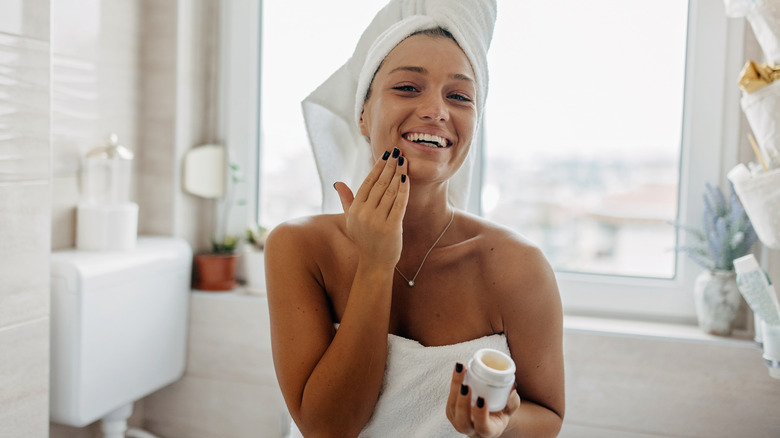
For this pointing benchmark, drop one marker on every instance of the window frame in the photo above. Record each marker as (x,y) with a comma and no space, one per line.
(714,57)
(710,137)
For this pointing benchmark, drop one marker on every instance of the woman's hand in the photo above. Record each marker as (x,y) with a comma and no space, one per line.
(475,420)
(374,216)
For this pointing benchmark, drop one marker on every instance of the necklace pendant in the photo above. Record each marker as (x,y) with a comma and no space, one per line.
(411,283)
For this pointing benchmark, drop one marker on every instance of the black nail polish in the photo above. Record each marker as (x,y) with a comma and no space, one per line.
(480,402)
(386,155)
(334,185)
(403,180)
(396,152)
(400,161)
(464,389)
(458,366)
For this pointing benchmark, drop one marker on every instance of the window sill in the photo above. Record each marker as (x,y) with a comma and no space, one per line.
(652,330)
(580,324)
(237,293)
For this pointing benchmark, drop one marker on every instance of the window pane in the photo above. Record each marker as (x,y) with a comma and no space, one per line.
(583,131)
(303,43)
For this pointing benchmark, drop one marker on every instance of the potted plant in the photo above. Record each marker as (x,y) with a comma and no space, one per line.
(726,233)
(216,270)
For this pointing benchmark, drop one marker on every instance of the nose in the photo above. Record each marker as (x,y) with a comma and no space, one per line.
(433,107)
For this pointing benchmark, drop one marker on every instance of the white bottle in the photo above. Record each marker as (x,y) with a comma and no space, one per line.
(491,375)
(756,287)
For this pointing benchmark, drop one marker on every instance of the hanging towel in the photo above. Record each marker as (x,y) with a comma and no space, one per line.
(332,111)
(416,385)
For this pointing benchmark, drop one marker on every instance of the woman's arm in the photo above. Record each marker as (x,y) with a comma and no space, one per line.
(331,381)
(527,294)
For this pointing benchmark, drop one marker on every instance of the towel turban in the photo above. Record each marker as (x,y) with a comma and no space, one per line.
(332,111)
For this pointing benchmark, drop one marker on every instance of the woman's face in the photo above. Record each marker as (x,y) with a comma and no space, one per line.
(423,101)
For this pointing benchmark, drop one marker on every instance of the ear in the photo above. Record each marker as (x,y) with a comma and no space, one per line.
(363,124)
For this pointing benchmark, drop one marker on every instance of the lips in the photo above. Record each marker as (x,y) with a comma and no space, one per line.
(429,140)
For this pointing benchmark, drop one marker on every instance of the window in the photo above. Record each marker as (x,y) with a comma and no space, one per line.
(303,43)
(604,121)
(583,131)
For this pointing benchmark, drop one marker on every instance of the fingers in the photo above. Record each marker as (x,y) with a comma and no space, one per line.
(384,176)
(396,194)
(462,420)
(398,208)
(459,402)
(479,418)
(513,403)
(373,176)
(345,195)
(385,187)
(458,374)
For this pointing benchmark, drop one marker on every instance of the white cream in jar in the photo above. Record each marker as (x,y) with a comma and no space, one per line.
(491,375)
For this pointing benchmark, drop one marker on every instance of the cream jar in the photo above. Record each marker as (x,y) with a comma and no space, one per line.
(491,375)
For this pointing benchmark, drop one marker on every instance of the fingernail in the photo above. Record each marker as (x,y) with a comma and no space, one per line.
(386,155)
(334,186)
(396,152)
(401,161)
(458,366)
(480,402)
(464,389)
(403,180)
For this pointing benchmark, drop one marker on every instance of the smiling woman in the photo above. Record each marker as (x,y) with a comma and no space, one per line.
(344,318)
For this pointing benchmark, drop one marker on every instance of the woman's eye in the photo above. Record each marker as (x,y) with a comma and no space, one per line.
(408,88)
(460,97)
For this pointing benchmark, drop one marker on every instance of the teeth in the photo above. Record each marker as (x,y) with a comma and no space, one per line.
(417,137)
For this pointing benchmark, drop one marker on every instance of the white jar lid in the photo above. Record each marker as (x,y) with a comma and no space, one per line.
(493,367)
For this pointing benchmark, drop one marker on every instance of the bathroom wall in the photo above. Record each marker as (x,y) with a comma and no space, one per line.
(94,92)
(25,221)
(178,42)
(143,70)
(640,386)
(117,67)
(229,388)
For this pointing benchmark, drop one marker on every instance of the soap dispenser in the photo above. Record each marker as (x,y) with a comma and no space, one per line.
(105,217)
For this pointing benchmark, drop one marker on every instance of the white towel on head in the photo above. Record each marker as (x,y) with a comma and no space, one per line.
(415,387)
(332,111)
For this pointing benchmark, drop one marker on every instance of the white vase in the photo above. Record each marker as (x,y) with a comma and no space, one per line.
(254,271)
(718,301)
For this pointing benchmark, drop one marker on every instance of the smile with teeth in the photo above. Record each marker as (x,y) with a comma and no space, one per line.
(433,141)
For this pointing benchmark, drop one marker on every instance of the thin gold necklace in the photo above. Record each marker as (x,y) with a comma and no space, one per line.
(411,282)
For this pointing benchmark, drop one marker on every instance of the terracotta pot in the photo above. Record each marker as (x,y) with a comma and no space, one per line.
(215,272)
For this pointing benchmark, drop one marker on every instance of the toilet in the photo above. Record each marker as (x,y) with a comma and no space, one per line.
(118,329)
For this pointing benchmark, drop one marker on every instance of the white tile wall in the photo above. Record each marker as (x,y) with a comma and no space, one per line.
(636,387)
(24,379)
(27,18)
(24,258)
(229,387)
(24,109)
(25,220)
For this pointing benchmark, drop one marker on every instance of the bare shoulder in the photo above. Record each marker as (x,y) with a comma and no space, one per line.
(514,266)
(303,234)
(302,244)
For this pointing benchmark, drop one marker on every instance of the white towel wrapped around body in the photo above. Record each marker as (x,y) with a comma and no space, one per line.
(416,385)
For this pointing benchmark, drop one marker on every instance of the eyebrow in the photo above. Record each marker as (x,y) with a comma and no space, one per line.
(422,70)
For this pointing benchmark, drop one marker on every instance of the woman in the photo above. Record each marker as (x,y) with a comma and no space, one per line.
(402,279)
